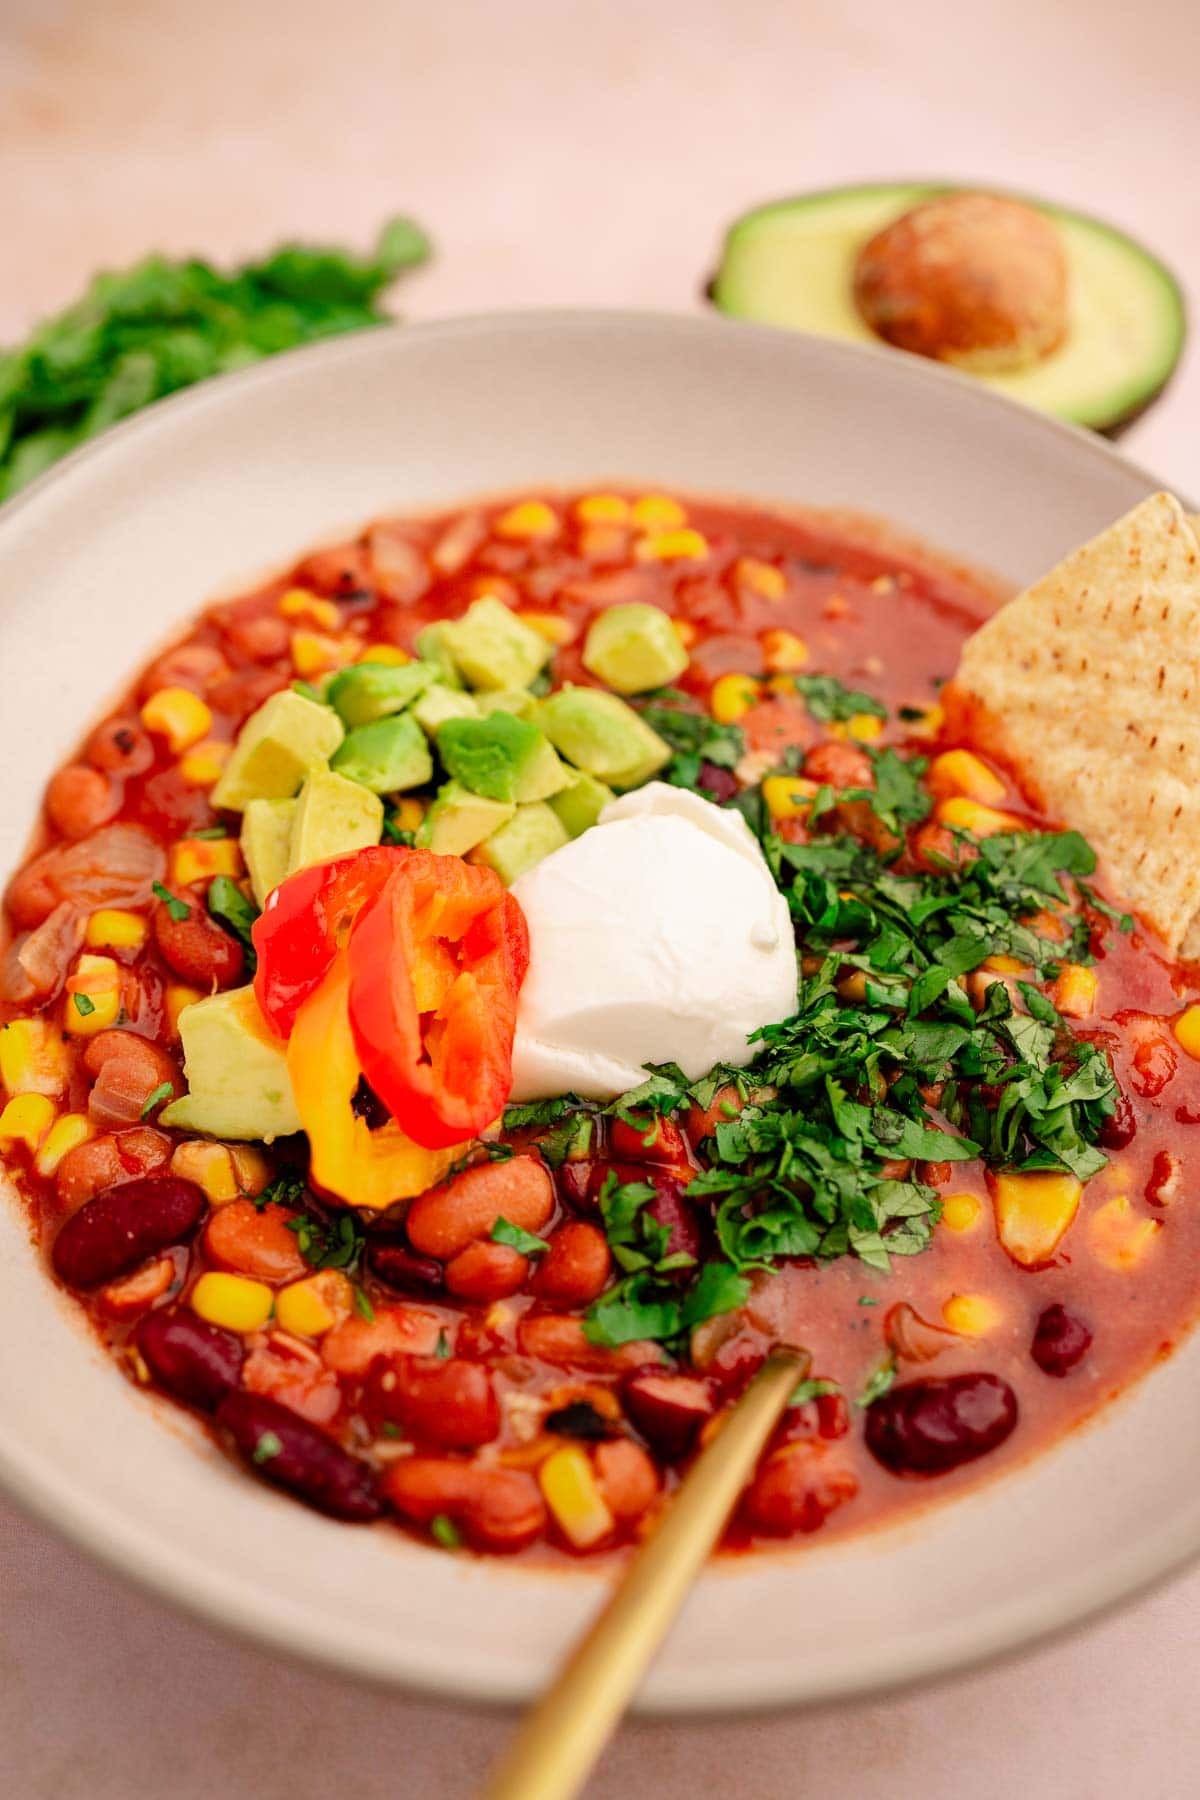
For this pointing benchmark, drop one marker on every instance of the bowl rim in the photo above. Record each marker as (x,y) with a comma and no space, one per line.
(58,1499)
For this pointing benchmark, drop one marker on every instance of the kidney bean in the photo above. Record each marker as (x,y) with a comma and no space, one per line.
(796,1488)
(444,1401)
(651,1141)
(576,1267)
(192,1359)
(196,947)
(719,784)
(495,1509)
(561,1340)
(573,1180)
(403,1269)
(928,1427)
(259,1244)
(668,1410)
(485,1271)
(1121,1128)
(626,1477)
(79,800)
(121,747)
(107,1161)
(351,1347)
(111,1234)
(446,1219)
(1059,1340)
(299,1456)
(670,1207)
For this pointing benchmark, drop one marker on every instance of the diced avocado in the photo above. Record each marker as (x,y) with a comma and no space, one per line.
(439,703)
(276,748)
(603,736)
(373,690)
(236,1071)
(386,756)
(518,701)
(493,648)
(580,805)
(431,647)
(632,648)
(501,756)
(532,833)
(458,820)
(793,263)
(333,818)
(266,841)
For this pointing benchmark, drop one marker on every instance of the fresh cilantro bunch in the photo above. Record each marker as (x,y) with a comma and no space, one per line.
(694,735)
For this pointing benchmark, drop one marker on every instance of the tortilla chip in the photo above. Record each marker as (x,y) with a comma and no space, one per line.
(1088,686)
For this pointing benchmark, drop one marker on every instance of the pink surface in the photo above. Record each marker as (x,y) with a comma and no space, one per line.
(584,153)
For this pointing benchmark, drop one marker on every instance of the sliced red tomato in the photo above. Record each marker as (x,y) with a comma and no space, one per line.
(306,921)
(436,961)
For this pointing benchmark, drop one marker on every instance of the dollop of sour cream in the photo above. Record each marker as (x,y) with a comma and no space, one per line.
(657,936)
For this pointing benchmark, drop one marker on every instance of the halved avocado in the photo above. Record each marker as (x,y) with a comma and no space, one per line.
(792,264)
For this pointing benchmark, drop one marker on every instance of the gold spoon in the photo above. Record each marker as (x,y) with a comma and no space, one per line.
(559,1740)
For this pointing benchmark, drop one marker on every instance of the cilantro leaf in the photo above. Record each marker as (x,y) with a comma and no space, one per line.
(503,1232)
(178,909)
(228,904)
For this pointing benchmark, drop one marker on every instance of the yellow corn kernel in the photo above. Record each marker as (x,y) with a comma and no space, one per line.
(761,578)
(33,1058)
(298,603)
(528,519)
(93,996)
(210,1166)
(1074,992)
(233,1301)
(733,696)
(684,545)
(26,1120)
(66,1133)
(603,509)
(864,727)
(178,715)
(175,999)
(788,796)
(960,1212)
(1119,1236)
(112,928)
(971,1315)
(1034,1212)
(1187,1029)
(784,652)
(549,625)
(570,1491)
(391,654)
(199,859)
(958,772)
(316,653)
(408,813)
(313,1306)
(929,723)
(252,1168)
(962,814)
(686,632)
(1005,965)
(658,512)
(202,765)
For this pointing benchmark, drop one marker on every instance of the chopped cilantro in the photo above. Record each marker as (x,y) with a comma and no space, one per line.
(267,1448)
(362,1304)
(445,1532)
(162,1092)
(83,1006)
(829,700)
(228,904)
(288,1189)
(210,831)
(695,737)
(812,1389)
(395,833)
(878,1382)
(505,1233)
(308,692)
(329,1244)
(178,909)
(442,1348)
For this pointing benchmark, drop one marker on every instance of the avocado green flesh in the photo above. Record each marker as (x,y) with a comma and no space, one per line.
(792,264)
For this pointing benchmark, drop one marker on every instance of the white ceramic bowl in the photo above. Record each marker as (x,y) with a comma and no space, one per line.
(113,551)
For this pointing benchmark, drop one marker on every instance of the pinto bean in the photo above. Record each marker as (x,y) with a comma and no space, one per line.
(702,1121)
(351,1347)
(398,568)
(132,1294)
(292,1372)
(298,1456)
(120,747)
(937,848)
(657,1141)
(796,1488)
(126,1070)
(559,1339)
(444,1401)
(342,569)
(192,1359)
(496,1509)
(1060,1340)
(446,1219)
(927,1427)
(106,1161)
(262,638)
(195,666)
(111,1234)
(485,1271)
(576,1267)
(79,800)
(626,1477)
(839,765)
(258,1244)
(196,947)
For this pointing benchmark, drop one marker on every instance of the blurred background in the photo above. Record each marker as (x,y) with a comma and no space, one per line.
(562,154)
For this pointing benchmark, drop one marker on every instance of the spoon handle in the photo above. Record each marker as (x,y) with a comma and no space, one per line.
(560,1738)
